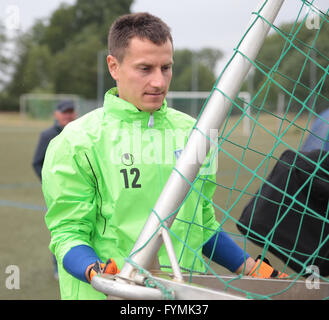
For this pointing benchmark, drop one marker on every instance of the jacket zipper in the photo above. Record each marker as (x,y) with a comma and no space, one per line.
(151,121)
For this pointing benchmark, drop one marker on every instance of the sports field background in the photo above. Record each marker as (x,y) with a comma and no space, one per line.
(24,237)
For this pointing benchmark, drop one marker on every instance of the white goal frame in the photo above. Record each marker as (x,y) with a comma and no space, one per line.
(46,96)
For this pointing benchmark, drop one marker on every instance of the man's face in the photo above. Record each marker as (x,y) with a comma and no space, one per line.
(143,77)
(65,117)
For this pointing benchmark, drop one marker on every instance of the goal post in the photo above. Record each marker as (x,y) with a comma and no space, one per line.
(42,105)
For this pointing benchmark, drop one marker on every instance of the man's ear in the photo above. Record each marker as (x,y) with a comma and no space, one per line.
(113,66)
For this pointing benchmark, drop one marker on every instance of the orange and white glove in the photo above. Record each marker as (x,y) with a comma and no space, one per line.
(263,270)
(110,267)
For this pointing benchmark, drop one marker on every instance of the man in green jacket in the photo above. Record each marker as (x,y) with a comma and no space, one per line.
(103,174)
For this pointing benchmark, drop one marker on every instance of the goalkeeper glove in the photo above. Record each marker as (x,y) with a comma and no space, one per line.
(263,270)
(110,267)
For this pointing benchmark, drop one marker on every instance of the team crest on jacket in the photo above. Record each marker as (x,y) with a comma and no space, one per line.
(127,159)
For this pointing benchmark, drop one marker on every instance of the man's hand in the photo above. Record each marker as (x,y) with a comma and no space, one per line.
(263,270)
(110,267)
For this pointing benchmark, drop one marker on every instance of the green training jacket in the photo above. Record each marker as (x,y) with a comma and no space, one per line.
(101,178)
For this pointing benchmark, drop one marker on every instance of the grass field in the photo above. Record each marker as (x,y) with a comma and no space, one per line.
(24,237)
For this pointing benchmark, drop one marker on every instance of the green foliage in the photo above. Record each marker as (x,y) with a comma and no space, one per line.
(38,69)
(62,28)
(203,62)
(298,45)
(76,64)
(25,77)
(60,55)
(4,59)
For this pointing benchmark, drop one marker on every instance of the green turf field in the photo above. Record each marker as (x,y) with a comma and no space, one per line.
(24,237)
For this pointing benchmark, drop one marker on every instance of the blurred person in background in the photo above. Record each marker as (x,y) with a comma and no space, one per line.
(65,112)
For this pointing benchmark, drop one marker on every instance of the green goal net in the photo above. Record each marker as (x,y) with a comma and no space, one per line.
(272,180)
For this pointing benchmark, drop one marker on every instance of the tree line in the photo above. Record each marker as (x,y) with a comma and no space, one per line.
(296,60)
(59,55)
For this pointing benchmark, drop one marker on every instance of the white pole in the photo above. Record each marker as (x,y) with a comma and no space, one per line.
(176,188)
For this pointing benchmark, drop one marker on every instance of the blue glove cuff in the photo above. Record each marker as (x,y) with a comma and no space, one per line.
(224,251)
(77,259)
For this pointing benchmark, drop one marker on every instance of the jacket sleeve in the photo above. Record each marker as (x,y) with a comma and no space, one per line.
(39,154)
(208,174)
(210,223)
(69,192)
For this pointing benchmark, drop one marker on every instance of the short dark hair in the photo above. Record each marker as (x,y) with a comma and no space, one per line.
(142,25)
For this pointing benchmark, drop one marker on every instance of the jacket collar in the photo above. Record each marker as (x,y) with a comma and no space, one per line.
(127,111)
(57,127)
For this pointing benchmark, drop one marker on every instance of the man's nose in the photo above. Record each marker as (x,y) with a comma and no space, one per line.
(158,80)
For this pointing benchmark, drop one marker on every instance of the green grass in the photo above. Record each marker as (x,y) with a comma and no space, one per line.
(24,237)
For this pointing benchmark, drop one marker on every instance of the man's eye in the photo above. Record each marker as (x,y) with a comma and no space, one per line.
(166,68)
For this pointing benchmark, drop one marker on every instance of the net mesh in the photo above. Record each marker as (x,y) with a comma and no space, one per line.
(272,184)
